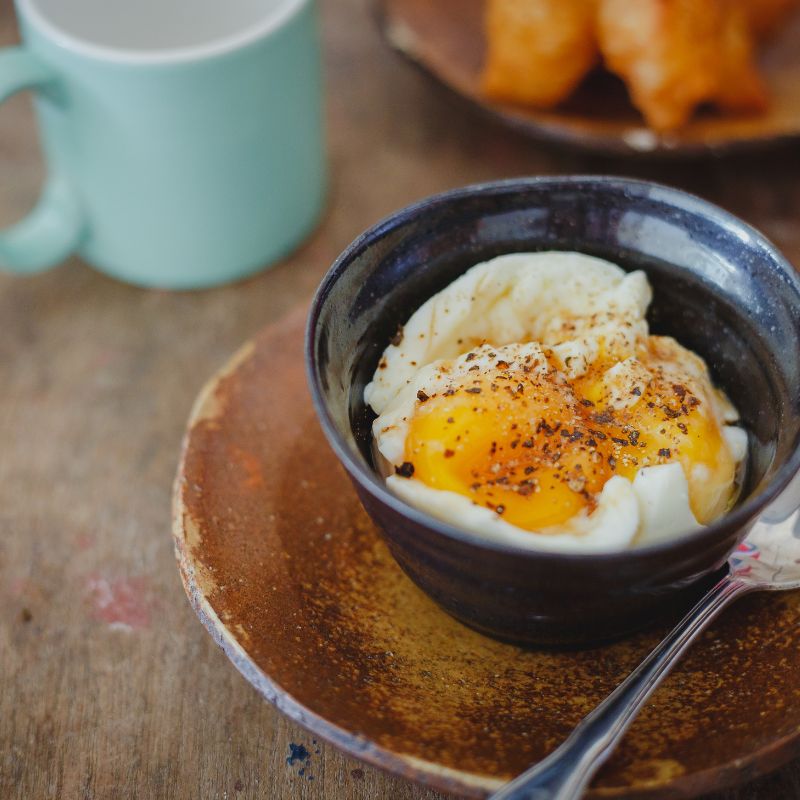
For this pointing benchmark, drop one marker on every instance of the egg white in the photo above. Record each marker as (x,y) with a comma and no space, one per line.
(517,298)
(568,302)
(612,526)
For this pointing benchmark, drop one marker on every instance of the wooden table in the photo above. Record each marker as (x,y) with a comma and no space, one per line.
(109,686)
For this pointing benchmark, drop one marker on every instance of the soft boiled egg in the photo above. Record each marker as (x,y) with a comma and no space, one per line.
(528,402)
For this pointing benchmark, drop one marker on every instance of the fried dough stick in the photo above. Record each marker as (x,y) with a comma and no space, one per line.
(676,54)
(741,87)
(765,16)
(538,50)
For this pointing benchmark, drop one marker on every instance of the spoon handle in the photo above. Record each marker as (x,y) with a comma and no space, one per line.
(567,771)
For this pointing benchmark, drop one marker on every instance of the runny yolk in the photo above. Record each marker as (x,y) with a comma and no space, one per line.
(537,450)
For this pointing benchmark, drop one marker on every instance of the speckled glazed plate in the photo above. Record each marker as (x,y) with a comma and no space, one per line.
(292,580)
(446,39)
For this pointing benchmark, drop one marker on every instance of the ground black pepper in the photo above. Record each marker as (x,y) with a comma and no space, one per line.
(405,470)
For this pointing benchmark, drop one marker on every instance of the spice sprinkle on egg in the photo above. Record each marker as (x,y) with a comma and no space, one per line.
(528,402)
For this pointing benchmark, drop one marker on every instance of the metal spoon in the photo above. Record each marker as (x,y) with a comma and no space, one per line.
(769,559)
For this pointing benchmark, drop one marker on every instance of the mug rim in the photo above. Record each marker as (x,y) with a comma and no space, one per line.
(271,22)
(368,480)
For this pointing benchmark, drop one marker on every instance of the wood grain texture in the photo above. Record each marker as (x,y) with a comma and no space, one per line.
(110,686)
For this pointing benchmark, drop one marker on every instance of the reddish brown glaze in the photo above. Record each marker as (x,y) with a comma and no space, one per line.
(446,39)
(286,570)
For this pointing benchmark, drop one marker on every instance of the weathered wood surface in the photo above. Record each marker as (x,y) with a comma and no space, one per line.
(109,686)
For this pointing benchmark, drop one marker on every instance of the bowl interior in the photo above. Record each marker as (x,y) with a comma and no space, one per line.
(718,287)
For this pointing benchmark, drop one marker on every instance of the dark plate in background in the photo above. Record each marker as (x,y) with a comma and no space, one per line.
(445,38)
(290,577)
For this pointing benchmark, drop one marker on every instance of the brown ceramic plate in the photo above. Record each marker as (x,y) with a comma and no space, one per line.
(290,577)
(445,37)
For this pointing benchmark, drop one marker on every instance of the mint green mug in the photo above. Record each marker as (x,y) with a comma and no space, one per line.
(183,138)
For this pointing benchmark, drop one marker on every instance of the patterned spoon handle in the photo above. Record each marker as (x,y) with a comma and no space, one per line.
(567,771)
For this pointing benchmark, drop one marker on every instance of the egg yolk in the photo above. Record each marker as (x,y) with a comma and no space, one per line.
(537,448)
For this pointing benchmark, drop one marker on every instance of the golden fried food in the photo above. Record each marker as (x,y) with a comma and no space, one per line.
(538,50)
(673,55)
(677,54)
(765,16)
(664,51)
(740,87)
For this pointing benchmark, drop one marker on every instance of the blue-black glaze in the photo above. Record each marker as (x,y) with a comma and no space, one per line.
(719,287)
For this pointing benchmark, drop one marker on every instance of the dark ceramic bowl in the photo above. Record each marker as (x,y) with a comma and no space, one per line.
(719,287)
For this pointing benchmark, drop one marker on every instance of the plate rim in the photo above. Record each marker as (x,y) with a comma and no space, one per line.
(423,772)
(436,776)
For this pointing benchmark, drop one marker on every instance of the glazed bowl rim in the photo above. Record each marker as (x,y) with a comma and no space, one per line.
(368,479)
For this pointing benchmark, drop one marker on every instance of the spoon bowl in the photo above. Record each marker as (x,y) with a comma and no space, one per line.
(769,559)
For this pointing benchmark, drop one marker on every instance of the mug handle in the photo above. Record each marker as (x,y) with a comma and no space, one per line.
(56,225)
